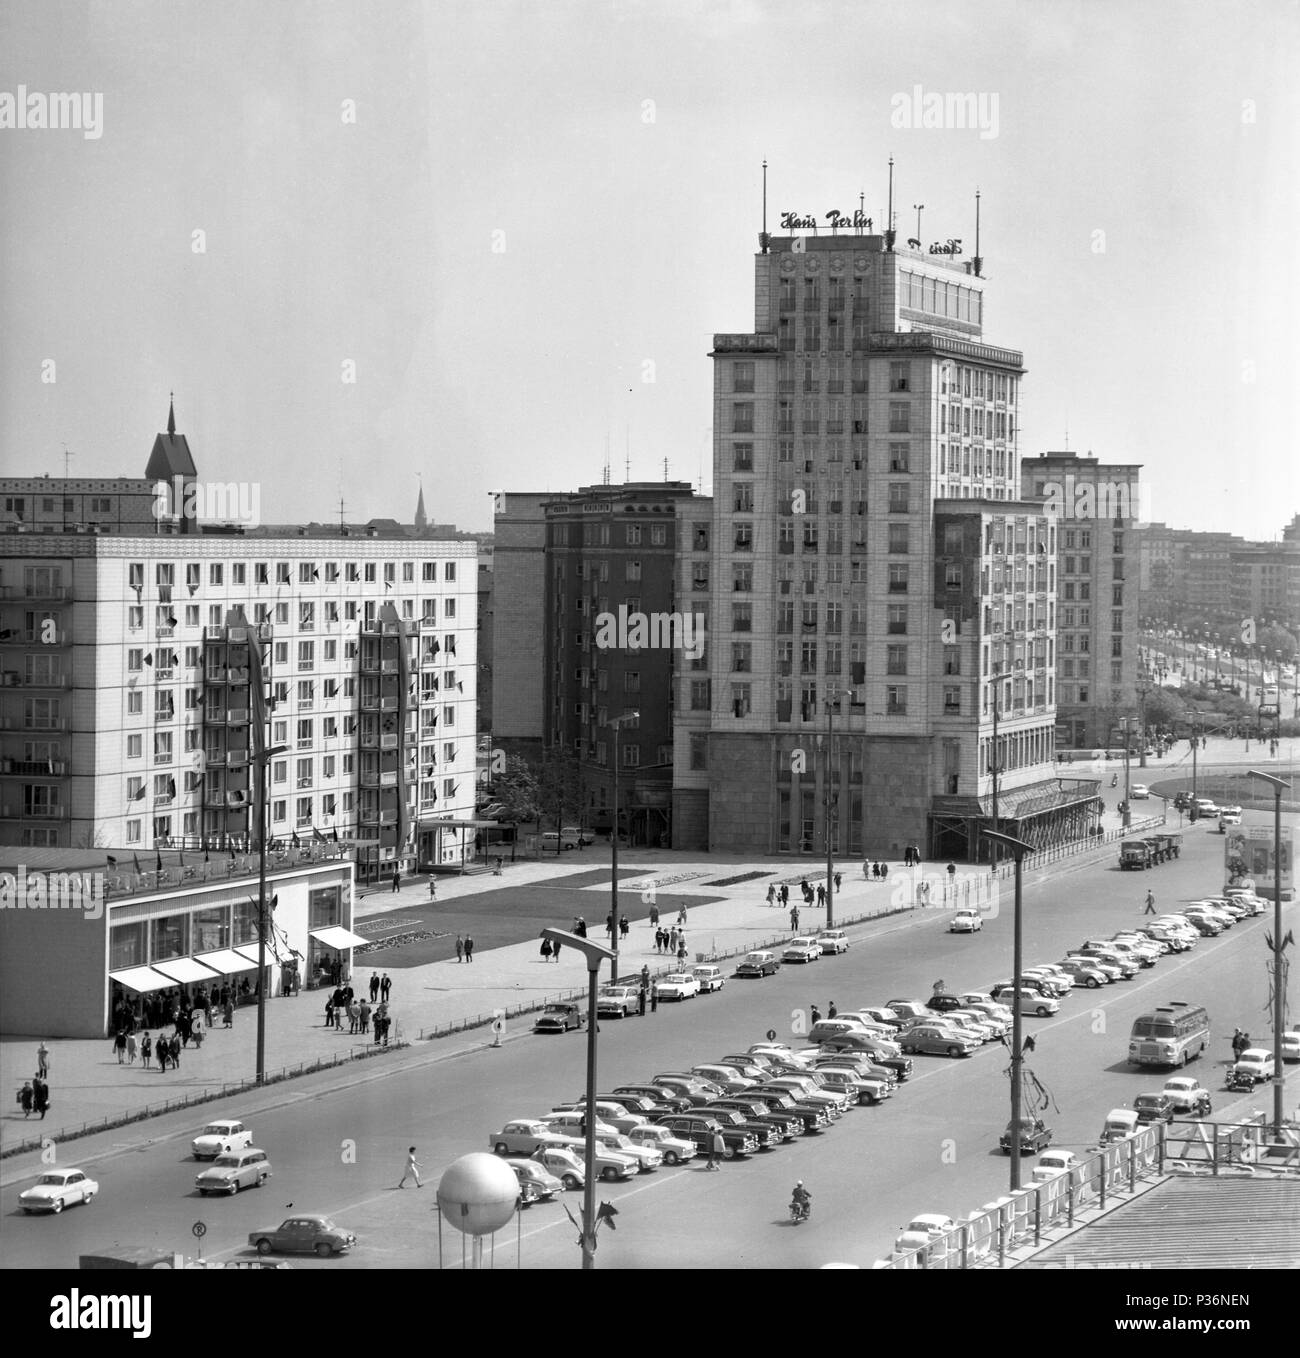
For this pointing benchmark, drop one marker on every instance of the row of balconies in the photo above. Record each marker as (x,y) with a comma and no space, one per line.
(57,637)
(15,811)
(26,723)
(34,768)
(17,679)
(37,593)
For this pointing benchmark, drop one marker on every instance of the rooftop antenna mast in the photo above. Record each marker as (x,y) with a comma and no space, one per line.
(978,260)
(862,209)
(605,474)
(889,220)
(665,469)
(764,240)
(66,457)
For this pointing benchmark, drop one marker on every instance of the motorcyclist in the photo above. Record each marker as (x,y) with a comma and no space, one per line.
(1114,780)
(801,1200)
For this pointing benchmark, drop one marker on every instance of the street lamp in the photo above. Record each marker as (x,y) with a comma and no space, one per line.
(1018,849)
(616,724)
(263,758)
(594,953)
(1278,944)
(1143,690)
(832,697)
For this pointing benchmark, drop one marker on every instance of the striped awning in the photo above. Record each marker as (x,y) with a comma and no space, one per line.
(226,962)
(338,938)
(185,970)
(141,979)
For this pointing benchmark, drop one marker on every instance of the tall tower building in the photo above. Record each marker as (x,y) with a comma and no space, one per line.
(880,596)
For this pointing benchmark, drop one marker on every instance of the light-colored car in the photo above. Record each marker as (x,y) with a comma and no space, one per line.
(879,1013)
(1255,1064)
(727,1078)
(966,922)
(225,1134)
(927,1231)
(999,1013)
(1086,973)
(303,1235)
(673,1149)
(708,977)
(617,1001)
(1138,792)
(572,1122)
(244,1168)
(678,985)
(647,1157)
(933,1040)
(1031,1002)
(833,940)
(524,1136)
(1052,1163)
(1188,1095)
(995,1023)
(1064,980)
(860,1088)
(536,1182)
(576,836)
(909,1009)
(564,1162)
(1205,806)
(801,950)
(610,1111)
(1120,1124)
(1229,815)
(57,1189)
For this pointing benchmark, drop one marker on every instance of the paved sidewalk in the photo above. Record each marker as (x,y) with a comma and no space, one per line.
(87,1085)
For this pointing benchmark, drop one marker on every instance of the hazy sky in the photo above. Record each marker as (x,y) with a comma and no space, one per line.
(538,206)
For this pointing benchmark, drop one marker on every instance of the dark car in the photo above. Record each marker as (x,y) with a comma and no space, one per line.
(1154,1108)
(758,965)
(664,1099)
(787,1124)
(1035,1136)
(764,1133)
(900,1065)
(558,1018)
(700,1129)
(303,1235)
(1182,801)
(941,1003)
(814,1116)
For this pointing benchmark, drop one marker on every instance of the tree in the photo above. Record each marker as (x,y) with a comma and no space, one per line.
(560,784)
(1274,638)
(1163,709)
(517,790)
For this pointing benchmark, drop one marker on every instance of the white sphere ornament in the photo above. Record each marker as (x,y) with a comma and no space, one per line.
(478,1194)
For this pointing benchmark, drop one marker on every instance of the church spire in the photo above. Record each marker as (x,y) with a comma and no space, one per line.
(421,519)
(171,415)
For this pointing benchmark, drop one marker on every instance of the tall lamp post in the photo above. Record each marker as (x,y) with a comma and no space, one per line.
(832,697)
(1143,690)
(1278,1008)
(264,758)
(594,953)
(617,725)
(1018,849)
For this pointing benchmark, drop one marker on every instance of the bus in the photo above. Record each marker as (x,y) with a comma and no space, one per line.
(1171,1035)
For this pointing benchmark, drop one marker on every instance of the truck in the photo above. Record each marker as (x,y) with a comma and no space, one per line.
(1134,853)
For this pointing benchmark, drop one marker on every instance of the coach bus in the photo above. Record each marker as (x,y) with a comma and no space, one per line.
(1172,1035)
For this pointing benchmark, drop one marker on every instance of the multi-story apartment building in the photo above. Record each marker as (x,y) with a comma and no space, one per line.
(868,538)
(1266,582)
(519,622)
(1098,612)
(693,704)
(130,697)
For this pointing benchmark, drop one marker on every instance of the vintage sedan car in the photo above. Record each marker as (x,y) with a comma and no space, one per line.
(926,1232)
(929,1039)
(801,950)
(611,1111)
(684,1086)
(995,1024)
(806,1090)
(699,1128)
(766,1134)
(1052,1163)
(861,1088)
(246,1168)
(1157,1107)
(219,1137)
(1110,971)
(833,940)
(759,964)
(727,1078)
(1031,1001)
(1053,972)
(1139,792)
(647,1157)
(943,1000)
(525,1136)
(57,1189)
(879,1013)
(966,922)
(572,1123)
(575,834)
(1035,1136)
(708,977)
(663,1100)
(747,1067)
(826,1030)
(1254,1064)
(674,1149)
(678,985)
(536,1182)
(1229,815)
(558,1018)
(1187,1095)
(1291,1046)
(783,1125)
(609,1163)
(563,1162)
(303,1235)
(617,1001)
(815,1116)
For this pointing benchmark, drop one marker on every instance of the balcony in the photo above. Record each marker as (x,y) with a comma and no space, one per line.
(237,759)
(744,344)
(43,813)
(39,593)
(237,716)
(26,723)
(34,768)
(59,636)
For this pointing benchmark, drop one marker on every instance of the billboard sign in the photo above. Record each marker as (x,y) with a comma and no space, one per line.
(1248,860)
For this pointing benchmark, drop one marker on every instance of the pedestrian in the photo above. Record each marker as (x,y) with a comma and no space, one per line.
(640,1000)
(821,896)
(609,924)
(460,948)
(581,927)
(654,916)
(837,881)
(130,1049)
(681,950)
(374,986)
(645,978)
(546,950)
(397,879)
(412,1168)
(469,955)
(174,1050)
(119,1046)
(386,983)
(329,1011)
(816,1014)
(433,888)
(803,887)
(771,893)
(363,1012)
(354,1017)
(831,1011)
(623,927)
(717,1149)
(228,1014)
(794,918)
(1151,903)
(555,950)
(146,1050)
(25,1097)
(681,917)
(654,997)
(40,1096)
(160,1051)
(43,1061)
(952,871)
(866,873)
(672,941)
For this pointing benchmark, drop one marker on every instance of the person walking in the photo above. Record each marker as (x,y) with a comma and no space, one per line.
(866,870)
(354,1017)
(329,1011)
(645,978)
(40,1096)
(681,917)
(771,893)
(460,948)
(43,1061)
(175,1049)
(555,950)
(228,1014)
(581,927)
(130,1049)
(146,1050)
(412,1169)
(654,916)
(433,888)
(25,1098)
(794,918)
(672,941)
(681,950)
(469,954)
(546,950)
(831,1010)
(717,1149)
(363,1013)
(119,1046)
(374,986)
(1151,903)
(386,983)
(397,879)
(654,997)
(623,927)
(837,881)
(816,1014)
(821,896)
(160,1051)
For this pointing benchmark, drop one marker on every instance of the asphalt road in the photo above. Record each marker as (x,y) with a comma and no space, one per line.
(931,1148)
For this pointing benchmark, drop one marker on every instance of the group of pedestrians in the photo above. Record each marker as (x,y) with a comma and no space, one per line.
(464,948)
(672,942)
(34,1096)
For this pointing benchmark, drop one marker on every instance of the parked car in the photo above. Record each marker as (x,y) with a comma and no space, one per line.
(1158,1107)
(1229,815)
(801,950)
(564,1162)
(784,1125)
(1052,1163)
(927,1039)
(807,1090)
(766,1134)
(815,1116)
(708,978)
(942,1001)
(551,842)
(689,1087)
(617,1001)
(727,1078)
(647,1157)
(303,1235)
(699,1129)
(1187,1095)
(57,1189)
(558,1018)
(880,1014)
(525,1136)
(857,1087)
(613,1112)
(1291,1046)
(674,1149)
(966,922)
(1254,1064)
(908,1009)
(759,964)
(664,1100)
(1182,801)
(826,1030)
(536,1182)
(1031,1001)
(572,1123)
(679,985)
(833,940)
(225,1134)
(575,836)
(244,1168)
(1138,792)
(1120,1124)
(927,1232)
(1087,973)
(1035,1136)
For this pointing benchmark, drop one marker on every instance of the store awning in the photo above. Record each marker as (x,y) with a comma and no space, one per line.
(338,938)
(249,953)
(185,970)
(226,962)
(141,979)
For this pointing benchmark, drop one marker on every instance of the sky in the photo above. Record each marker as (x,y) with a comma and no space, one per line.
(485,245)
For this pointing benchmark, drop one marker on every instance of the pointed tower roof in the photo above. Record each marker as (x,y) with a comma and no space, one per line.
(421,518)
(171,453)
